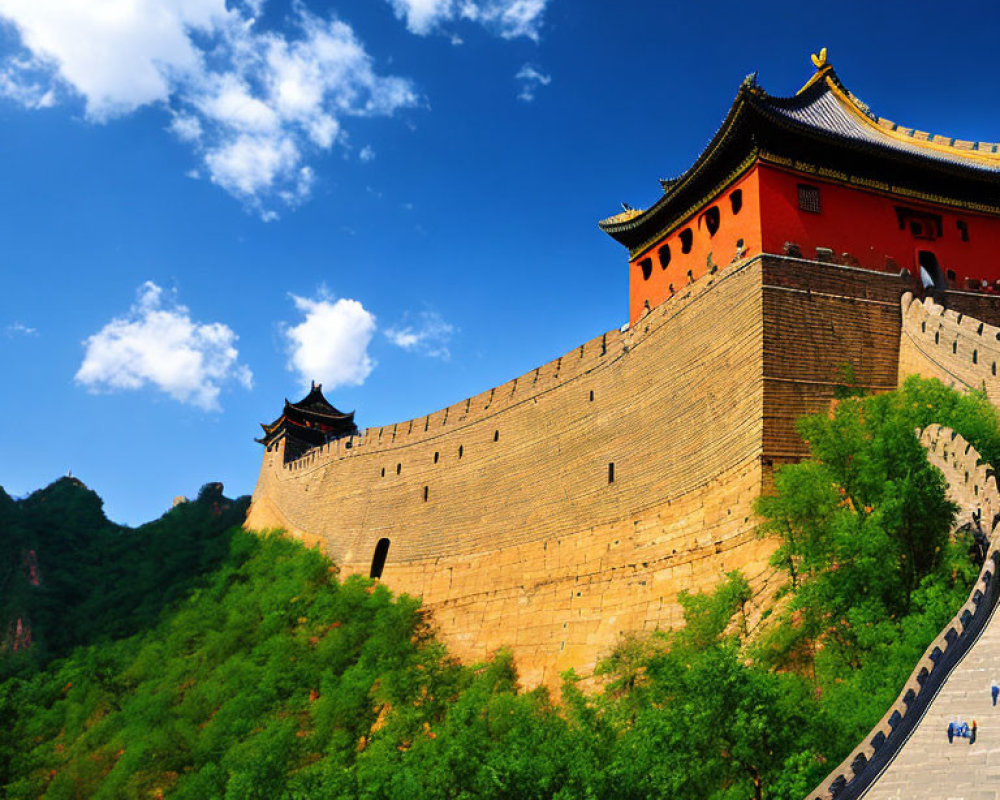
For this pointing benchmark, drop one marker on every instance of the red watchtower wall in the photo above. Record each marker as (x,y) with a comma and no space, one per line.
(653,283)
(859,225)
(864,224)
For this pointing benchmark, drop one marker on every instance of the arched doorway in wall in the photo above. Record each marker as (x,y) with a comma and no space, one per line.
(378,560)
(928,262)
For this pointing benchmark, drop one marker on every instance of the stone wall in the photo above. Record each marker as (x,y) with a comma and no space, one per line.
(501,512)
(821,319)
(942,343)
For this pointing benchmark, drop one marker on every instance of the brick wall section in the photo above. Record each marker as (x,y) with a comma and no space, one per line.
(820,318)
(984,307)
(942,343)
(522,540)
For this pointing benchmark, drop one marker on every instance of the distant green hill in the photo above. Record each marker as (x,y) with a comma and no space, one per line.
(190,659)
(95,580)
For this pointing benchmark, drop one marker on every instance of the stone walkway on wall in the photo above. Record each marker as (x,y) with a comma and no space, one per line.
(927,766)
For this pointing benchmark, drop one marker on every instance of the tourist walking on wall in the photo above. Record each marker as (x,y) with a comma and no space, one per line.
(951,732)
(972,733)
(994,690)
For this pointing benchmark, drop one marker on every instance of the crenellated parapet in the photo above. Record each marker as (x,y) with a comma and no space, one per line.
(557,510)
(972,485)
(961,351)
(571,366)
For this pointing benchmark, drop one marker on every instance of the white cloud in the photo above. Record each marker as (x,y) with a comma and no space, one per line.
(530,79)
(157,343)
(367,153)
(255,105)
(508,18)
(429,335)
(330,345)
(20,329)
(118,54)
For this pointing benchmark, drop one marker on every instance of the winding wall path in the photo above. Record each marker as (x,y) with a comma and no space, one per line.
(927,766)
(907,755)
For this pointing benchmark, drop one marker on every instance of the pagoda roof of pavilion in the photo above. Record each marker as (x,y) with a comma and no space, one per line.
(312,411)
(823,127)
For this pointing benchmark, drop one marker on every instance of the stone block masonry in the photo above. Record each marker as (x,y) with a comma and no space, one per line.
(555,512)
(959,350)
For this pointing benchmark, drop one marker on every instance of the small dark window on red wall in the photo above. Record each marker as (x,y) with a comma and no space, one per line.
(809,199)
(687,240)
(646,265)
(736,201)
(664,256)
(963,229)
(712,219)
(920,224)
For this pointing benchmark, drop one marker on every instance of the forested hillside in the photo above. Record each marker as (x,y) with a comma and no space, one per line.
(189,659)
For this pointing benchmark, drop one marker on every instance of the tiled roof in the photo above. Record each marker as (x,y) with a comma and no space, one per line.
(824,105)
(824,110)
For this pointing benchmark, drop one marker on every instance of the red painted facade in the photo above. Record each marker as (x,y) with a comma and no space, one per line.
(866,225)
(651,281)
(862,227)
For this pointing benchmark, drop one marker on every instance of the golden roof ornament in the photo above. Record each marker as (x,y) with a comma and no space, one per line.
(819,61)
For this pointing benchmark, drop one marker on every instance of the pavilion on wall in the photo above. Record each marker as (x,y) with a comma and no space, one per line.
(309,423)
(819,176)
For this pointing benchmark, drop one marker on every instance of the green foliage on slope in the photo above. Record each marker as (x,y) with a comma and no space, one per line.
(255,672)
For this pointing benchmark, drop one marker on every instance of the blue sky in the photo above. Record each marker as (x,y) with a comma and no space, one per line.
(204,205)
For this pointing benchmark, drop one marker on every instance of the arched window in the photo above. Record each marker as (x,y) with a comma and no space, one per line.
(399,468)
(687,240)
(437,455)
(663,254)
(736,201)
(646,265)
(461,450)
(496,436)
(378,560)
(712,219)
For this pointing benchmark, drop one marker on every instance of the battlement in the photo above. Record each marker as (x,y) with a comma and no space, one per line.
(972,486)
(959,350)
(573,365)
(560,508)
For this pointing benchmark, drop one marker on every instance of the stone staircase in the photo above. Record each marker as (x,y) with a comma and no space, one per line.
(927,766)
(907,754)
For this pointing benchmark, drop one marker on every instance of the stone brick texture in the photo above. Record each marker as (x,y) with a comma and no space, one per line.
(523,541)
(944,343)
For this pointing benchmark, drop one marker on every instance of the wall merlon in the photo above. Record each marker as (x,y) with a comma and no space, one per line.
(692,405)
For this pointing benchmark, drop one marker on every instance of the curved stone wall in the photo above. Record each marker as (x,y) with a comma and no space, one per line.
(897,758)
(504,512)
(959,350)
(524,539)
